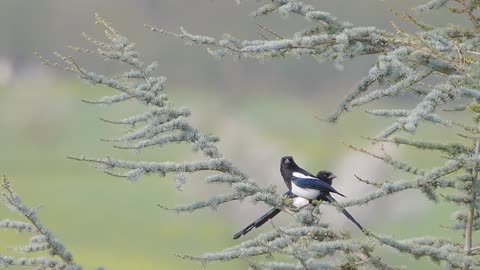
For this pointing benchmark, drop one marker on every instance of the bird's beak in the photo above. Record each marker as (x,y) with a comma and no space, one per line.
(332,176)
(287,161)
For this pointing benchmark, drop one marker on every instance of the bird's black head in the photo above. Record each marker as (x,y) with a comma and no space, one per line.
(287,162)
(326,176)
(287,166)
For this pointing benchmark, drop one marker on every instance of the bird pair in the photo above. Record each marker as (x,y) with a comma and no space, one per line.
(303,189)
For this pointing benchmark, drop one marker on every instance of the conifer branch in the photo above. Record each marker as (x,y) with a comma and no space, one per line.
(436,249)
(161,124)
(427,179)
(43,239)
(452,149)
(389,160)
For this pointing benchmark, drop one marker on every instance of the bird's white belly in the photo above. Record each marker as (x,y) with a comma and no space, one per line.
(306,193)
(300,202)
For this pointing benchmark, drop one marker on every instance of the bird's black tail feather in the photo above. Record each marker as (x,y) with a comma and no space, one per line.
(259,222)
(345,212)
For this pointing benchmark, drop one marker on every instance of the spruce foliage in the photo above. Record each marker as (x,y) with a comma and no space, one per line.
(42,242)
(437,64)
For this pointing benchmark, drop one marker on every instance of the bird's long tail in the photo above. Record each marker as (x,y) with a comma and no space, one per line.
(259,222)
(345,212)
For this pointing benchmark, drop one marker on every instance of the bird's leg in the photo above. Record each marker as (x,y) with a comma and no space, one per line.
(315,204)
(314,207)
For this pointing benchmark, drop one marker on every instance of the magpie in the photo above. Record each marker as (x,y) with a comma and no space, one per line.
(299,183)
(304,184)
(298,202)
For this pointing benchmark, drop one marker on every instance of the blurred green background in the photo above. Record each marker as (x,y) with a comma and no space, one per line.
(256,108)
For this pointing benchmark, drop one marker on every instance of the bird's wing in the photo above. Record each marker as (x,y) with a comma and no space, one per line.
(313,183)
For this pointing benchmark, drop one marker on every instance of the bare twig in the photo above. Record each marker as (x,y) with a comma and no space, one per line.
(269,30)
(367,181)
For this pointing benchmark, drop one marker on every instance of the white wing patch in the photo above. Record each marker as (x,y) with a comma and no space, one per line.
(301,175)
(306,193)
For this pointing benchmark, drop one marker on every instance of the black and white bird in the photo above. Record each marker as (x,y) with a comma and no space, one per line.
(303,184)
(303,188)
